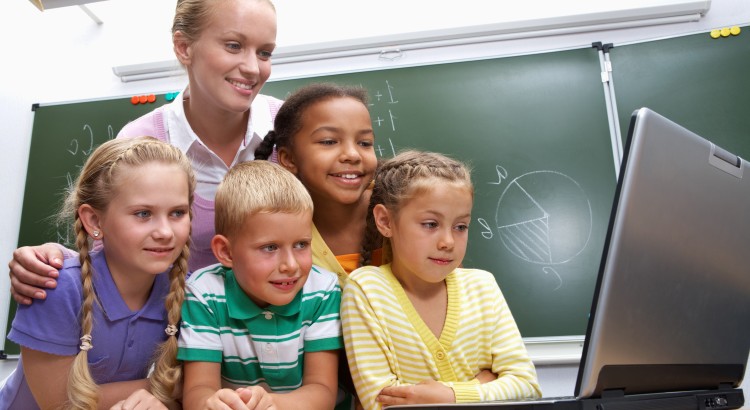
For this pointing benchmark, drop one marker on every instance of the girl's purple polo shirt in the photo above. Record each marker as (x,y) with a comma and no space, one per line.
(124,341)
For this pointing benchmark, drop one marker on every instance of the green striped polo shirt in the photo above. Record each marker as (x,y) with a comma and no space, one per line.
(258,346)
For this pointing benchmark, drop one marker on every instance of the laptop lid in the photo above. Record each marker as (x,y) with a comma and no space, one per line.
(671,310)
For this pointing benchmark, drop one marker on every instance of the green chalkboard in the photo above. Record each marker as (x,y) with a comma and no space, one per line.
(534,129)
(62,138)
(699,82)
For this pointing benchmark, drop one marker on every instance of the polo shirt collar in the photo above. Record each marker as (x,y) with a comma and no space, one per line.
(111,301)
(241,307)
(183,137)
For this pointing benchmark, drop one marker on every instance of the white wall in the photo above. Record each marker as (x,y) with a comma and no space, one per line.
(61,55)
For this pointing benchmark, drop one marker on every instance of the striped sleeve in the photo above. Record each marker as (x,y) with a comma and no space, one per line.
(200,338)
(510,361)
(371,363)
(324,296)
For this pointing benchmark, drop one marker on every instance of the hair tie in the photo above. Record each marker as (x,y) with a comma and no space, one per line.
(86,343)
(171,330)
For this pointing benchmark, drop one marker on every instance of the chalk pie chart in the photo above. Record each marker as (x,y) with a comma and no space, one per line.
(544,217)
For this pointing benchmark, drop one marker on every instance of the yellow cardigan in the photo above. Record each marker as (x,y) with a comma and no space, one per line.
(388,344)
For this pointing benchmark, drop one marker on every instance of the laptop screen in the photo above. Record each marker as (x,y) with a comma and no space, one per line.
(672,305)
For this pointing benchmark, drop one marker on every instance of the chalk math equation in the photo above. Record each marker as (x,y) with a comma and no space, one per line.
(383,109)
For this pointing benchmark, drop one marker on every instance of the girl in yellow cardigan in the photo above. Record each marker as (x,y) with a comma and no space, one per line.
(420,329)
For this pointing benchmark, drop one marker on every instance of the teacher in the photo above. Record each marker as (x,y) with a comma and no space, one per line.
(218,120)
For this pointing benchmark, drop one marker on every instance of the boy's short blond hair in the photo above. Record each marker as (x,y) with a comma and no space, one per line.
(255,187)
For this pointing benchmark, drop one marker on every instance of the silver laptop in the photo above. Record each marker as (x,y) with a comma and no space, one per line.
(670,321)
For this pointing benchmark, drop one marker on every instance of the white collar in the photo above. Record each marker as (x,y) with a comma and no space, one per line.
(183,137)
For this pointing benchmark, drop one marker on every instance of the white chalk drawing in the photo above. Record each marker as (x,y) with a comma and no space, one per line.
(64,233)
(384,116)
(545,218)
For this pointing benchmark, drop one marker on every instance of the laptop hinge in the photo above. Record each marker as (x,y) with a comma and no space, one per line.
(613,393)
(726,386)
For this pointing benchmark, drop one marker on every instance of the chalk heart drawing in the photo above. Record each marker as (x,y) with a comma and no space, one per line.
(544,217)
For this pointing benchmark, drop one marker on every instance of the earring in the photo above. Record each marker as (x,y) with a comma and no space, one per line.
(95,234)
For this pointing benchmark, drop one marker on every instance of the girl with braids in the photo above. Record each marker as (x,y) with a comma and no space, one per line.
(117,301)
(420,329)
(323,134)
(218,120)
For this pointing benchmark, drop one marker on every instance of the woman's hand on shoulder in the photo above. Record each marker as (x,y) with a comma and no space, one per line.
(32,269)
(428,391)
(140,399)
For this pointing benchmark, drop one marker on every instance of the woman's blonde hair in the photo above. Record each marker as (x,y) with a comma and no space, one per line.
(402,178)
(191,16)
(255,187)
(96,186)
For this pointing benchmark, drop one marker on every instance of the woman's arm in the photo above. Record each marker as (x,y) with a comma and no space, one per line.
(47,376)
(34,268)
(319,383)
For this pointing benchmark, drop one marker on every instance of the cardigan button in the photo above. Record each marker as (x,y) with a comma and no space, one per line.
(439,355)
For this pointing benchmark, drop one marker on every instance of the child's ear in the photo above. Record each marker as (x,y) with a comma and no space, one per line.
(182,48)
(91,221)
(222,251)
(383,219)
(286,160)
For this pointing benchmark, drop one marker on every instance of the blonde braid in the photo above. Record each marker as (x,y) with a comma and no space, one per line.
(95,187)
(82,390)
(168,370)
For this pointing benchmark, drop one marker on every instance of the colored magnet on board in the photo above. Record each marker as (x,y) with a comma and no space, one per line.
(735,30)
(151,98)
(143,99)
(134,100)
(171,96)
(725,32)
(715,33)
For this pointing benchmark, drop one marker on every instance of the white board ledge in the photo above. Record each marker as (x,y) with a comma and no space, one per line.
(555,350)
